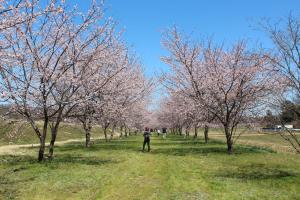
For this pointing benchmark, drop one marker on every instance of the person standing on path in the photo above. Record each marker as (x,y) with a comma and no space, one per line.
(146,135)
(164,132)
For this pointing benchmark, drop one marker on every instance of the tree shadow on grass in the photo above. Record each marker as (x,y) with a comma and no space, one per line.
(7,181)
(58,159)
(98,146)
(177,147)
(9,187)
(207,149)
(17,159)
(10,179)
(95,146)
(183,151)
(12,165)
(79,159)
(187,142)
(257,172)
(180,138)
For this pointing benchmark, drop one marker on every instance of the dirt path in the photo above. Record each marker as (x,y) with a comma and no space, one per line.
(17,149)
(245,140)
(20,149)
(248,134)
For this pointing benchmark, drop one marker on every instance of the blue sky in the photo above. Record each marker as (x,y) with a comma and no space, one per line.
(226,21)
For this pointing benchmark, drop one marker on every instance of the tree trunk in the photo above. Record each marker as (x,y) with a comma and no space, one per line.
(52,141)
(42,149)
(87,137)
(121,132)
(87,127)
(229,146)
(106,125)
(42,140)
(229,140)
(206,128)
(112,132)
(54,130)
(196,132)
(126,131)
(187,133)
(105,133)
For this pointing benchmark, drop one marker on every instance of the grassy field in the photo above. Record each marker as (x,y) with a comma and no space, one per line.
(271,140)
(22,133)
(176,168)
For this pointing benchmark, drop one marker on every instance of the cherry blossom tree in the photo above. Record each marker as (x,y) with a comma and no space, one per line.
(173,113)
(45,61)
(228,83)
(178,111)
(285,57)
(127,96)
(13,13)
(119,90)
(99,87)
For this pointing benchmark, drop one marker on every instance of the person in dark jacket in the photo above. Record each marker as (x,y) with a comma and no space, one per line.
(146,135)
(164,132)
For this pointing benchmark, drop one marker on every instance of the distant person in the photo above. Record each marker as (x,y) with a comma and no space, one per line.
(146,135)
(164,132)
(158,132)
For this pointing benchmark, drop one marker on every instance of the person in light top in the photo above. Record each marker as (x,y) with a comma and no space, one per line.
(158,132)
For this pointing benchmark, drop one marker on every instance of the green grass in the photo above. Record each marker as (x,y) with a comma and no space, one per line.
(14,133)
(271,140)
(176,168)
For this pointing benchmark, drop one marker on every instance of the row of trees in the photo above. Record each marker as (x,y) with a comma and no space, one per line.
(59,63)
(213,85)
(288,114)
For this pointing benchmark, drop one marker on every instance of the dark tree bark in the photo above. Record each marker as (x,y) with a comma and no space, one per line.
(121,132)
(206,128)
(42,140)
(180,131)
(54,131)
(196,132)
(126,134)
(229,140)
(41,136)
(87,138)
(87,129)
(105,134)
(187,132)
(106,125)
(42,149)
(112,131)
